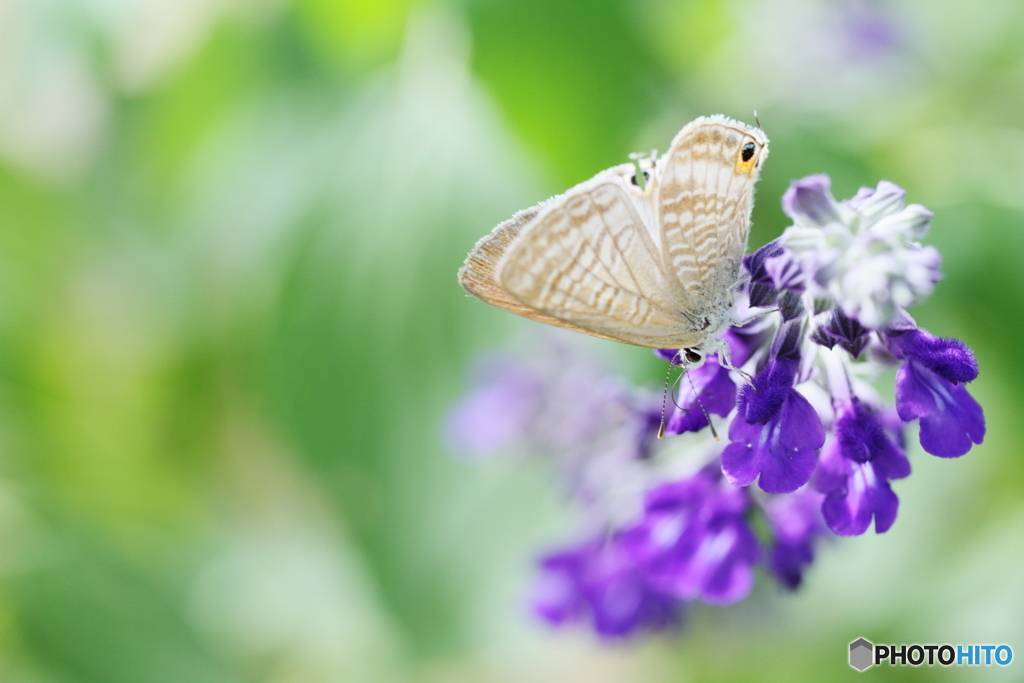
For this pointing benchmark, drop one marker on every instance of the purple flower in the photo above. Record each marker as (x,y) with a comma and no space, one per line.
(833,292)
(951,420)
(929,387)
(715,391)
(497,411)
(854,473)
(694,542)
(796,522)
(771,269)
(775,433)
(600,581)
(862,252)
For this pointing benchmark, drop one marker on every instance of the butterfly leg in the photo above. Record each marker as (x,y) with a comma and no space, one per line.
(725,359)
(756,316)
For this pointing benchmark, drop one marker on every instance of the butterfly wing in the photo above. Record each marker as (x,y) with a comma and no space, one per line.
(477,274)
(704,198)
(588,260)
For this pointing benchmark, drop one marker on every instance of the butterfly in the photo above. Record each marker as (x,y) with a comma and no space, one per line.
(652,261)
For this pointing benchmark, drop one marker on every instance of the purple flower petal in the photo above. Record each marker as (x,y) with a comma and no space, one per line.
(788,342)
(860,435)
(754,263)
(726,561)
(847,515)
(783,472)
(673,356)
(951,420)
(784,272)
(949,358)
(810,199)
(761,400)
(787,562)
(618,598)
(557,594)
(791,306)
(885,504)
(848,511)
(741,462)
(782,451)
(833,469)
(802,427)
(886,199)
(843,330)
(761,290)
(744,341)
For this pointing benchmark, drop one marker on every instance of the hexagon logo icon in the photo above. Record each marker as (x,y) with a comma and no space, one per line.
(861,651)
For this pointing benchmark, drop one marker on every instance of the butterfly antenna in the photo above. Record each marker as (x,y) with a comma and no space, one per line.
(703,409)
(758,122)
(664,401)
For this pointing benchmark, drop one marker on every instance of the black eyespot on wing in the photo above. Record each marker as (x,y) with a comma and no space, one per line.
(691,356)
(632,178)
(748,151)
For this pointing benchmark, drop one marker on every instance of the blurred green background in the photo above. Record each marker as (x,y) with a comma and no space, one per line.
(230,327)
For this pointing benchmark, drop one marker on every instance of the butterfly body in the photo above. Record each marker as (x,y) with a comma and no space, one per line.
(654,267)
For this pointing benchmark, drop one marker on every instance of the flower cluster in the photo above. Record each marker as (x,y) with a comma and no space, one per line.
(812,448)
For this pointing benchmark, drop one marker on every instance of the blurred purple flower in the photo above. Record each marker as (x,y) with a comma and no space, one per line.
(796,523)
(694,542)
(599,581)
(869,32)
(497,411)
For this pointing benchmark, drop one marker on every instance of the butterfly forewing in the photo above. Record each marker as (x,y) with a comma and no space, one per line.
(589,259)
